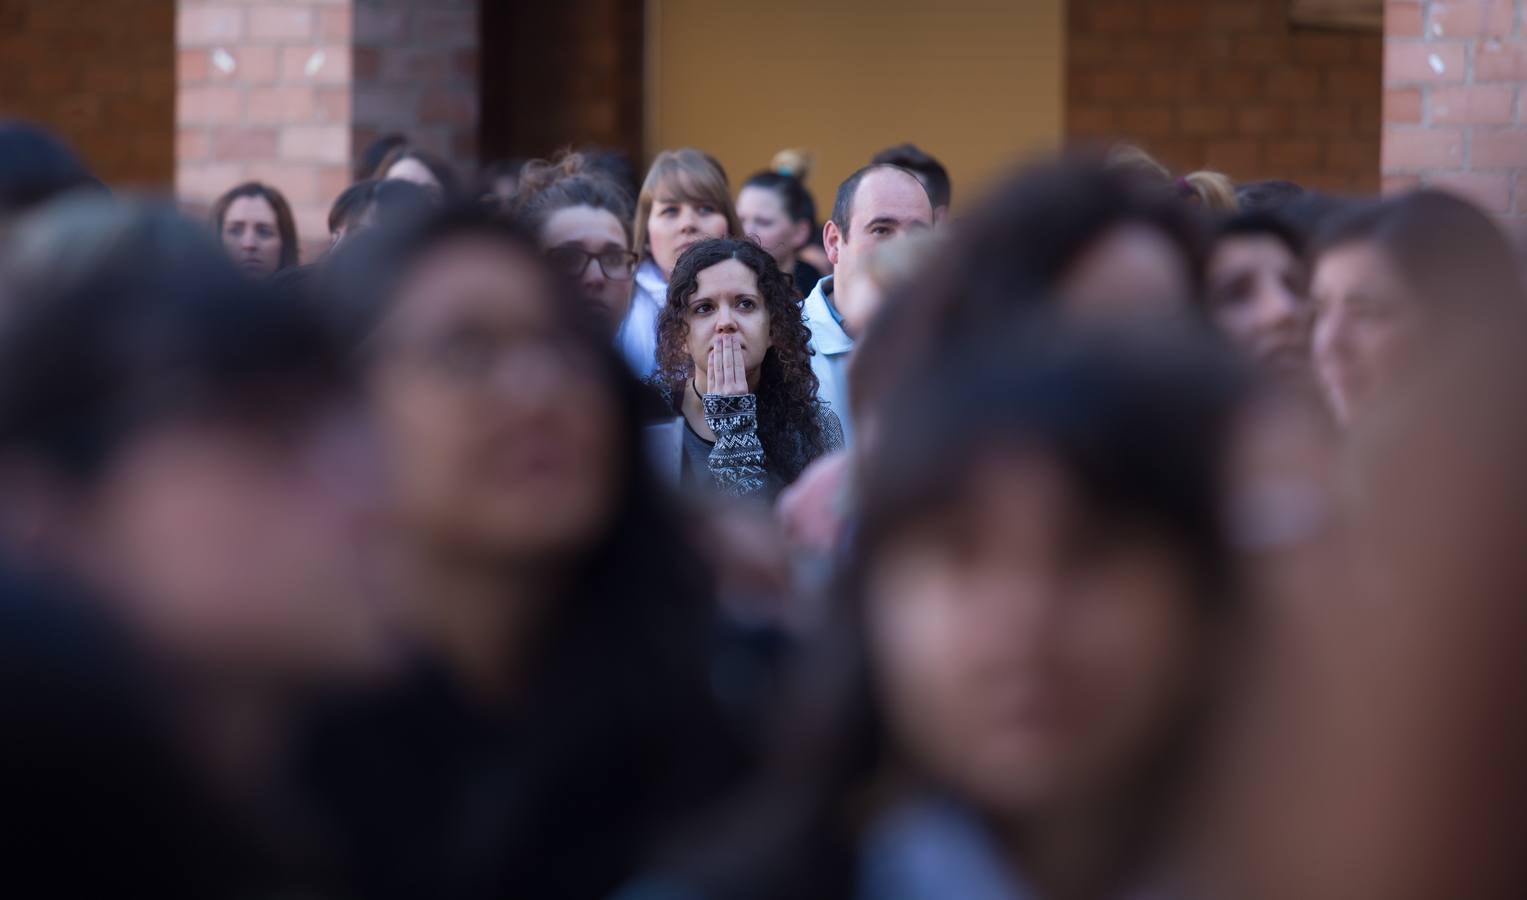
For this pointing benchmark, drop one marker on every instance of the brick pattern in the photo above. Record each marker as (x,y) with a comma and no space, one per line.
(101,73)
(1227,85)
(264,92)
(1453,113)
(415,71)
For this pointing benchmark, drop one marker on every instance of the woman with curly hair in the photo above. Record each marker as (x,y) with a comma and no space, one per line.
(734,363)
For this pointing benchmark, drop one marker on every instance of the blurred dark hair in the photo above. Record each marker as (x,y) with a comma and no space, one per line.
(1309,211)
(389,201)
(286,226)
(793,195)
(350,205)
(1268,196)
(568,180)
(1008,254)
(35,167)
(450,185)
(123,317)
(788,409)
(1139,421)
(1451,255)
(370,159)
(1139,417)
(929,171)
(848,191)
(1260,223)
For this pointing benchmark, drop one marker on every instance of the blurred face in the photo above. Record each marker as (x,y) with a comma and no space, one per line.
(1368,327)
(1257,297)
(765,219)
(249,552)
(1031,654)
(675,224)
(727,302)
(410,169)
(888,205)
(251,236)
(589,245)
(1131,270)
(499,421)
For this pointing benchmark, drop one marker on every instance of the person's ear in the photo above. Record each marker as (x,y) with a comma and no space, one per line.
(831,241)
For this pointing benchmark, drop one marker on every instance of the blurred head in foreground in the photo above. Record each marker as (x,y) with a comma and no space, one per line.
(188,444)
(1395,282)
(1031,621)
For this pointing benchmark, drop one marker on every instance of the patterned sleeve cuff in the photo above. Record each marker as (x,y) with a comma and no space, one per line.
(731,414)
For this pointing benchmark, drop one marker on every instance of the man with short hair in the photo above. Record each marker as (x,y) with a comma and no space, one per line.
(929,171)
(875,206)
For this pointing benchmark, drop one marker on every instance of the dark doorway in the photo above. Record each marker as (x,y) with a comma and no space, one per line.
(560,74)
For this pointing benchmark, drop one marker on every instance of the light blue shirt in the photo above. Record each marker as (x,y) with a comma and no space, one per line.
(833,349)
(637,337)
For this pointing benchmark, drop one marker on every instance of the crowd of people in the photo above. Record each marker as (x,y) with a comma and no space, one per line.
(1110,534)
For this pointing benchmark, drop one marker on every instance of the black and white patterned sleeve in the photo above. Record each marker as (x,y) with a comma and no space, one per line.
(737,460)
(832,430)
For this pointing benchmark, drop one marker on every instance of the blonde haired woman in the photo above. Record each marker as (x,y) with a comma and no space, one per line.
(685,199)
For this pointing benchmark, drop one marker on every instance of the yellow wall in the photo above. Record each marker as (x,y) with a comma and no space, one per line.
(977,83)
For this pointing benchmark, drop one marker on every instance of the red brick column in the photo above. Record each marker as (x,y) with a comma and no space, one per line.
(284,91)
(1232,85)
(1453,114)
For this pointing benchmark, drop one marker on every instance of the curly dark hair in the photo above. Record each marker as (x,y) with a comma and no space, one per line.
(789,414)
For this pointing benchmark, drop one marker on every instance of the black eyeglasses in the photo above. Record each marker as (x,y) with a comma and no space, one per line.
(616,265)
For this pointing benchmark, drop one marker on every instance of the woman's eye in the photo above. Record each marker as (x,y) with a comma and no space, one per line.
(746,303)
(701,309)
(669,211)
(706,210)
(265,231)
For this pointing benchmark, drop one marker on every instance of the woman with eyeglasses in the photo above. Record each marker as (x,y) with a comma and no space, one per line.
(563,623)
(583,222)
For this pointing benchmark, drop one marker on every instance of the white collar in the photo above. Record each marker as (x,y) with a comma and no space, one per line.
(650,279)
(827,336)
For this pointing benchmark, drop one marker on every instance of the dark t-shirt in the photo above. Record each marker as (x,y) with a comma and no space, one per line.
(695,472)
(806,277)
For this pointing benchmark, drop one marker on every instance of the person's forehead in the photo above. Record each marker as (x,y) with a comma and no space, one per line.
(891,192)
(577,223)
(729,274)
(251,206)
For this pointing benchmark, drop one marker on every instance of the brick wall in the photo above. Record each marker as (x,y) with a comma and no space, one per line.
(99,72)
(1452,99)
(1228,85)
(264,94)
(416,72)
(283,91)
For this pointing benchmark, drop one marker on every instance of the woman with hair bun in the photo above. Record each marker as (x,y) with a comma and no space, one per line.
(582,220)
